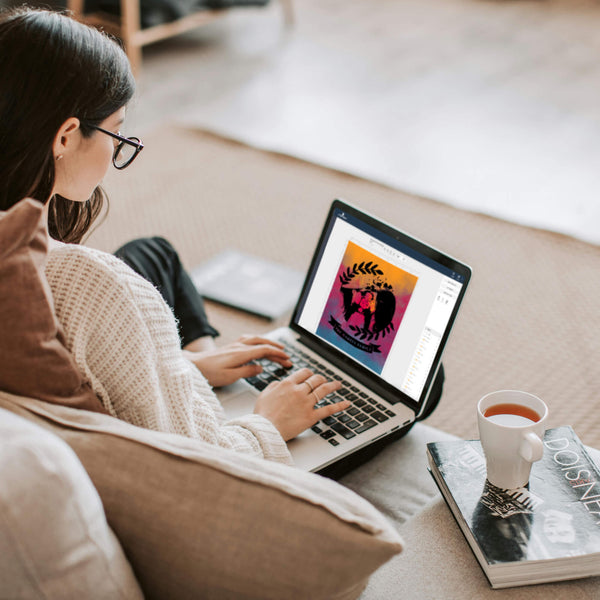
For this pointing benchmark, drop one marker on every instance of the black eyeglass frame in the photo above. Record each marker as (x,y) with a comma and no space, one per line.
(131,141)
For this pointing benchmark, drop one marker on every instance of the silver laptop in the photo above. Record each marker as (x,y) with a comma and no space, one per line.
(375,312)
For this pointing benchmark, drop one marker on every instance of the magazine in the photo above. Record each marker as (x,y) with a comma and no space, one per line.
(250,283)
(546,531)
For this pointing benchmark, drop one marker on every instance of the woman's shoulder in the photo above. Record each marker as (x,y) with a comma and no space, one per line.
(60,252)
(75,260)
(80,275)
(89,270)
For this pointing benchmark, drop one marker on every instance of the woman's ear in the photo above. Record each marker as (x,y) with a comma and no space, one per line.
(67,138)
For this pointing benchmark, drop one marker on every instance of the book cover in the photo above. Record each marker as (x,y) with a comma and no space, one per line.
(549,530)
(249,283)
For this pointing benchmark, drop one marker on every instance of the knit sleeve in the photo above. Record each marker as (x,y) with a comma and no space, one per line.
(124,339)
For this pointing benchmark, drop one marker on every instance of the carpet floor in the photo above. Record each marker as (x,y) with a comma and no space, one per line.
(529,320)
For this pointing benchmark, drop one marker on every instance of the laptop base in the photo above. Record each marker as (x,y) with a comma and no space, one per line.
(360,457)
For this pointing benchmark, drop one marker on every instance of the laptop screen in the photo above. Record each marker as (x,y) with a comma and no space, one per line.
(381,301)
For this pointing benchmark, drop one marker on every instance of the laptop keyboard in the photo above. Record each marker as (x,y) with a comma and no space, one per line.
(364,413)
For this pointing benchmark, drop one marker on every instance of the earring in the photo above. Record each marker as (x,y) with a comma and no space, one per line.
(59,157)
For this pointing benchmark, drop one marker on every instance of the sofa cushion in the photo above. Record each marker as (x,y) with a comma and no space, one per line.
(54,538)
(198,521)
(33,359)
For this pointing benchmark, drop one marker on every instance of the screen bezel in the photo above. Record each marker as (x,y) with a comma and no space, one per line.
(339,358)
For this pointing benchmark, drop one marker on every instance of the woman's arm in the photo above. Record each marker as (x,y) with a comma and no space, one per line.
(124,339)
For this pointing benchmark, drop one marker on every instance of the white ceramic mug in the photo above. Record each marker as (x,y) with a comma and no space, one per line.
(512,437)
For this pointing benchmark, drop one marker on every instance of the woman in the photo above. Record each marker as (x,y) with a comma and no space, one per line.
(65,88)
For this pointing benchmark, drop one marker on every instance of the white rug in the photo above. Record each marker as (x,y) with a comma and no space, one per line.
(490,106)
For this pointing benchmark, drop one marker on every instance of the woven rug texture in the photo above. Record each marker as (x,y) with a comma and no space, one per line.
(529,319)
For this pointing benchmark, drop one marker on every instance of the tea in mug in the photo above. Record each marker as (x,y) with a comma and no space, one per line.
(511,415)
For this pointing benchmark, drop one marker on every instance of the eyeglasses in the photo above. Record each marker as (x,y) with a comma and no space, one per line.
(127,148)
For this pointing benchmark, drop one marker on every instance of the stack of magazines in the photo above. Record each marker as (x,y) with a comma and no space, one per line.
(546,531)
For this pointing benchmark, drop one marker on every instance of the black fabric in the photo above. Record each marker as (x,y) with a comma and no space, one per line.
(157,261)
(437,387)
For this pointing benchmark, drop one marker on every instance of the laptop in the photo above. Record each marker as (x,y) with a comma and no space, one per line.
(375,312)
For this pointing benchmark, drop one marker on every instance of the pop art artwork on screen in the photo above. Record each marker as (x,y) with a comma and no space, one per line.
(365,307)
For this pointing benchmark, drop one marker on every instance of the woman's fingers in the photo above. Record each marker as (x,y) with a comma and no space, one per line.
(243,354)
(330,409)
(253,340)
(299,376)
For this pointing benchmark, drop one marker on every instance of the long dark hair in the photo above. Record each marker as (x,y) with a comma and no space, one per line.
(53,68)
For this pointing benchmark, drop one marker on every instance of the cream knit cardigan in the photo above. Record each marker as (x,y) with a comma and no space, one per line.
(124,339)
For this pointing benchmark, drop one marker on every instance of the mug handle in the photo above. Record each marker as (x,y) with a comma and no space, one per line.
(531,448)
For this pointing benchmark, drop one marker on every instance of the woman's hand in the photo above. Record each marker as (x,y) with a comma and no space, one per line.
(289,404)
(227,364)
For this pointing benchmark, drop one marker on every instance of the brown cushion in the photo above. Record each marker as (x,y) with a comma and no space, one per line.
(197,521)
(33,359)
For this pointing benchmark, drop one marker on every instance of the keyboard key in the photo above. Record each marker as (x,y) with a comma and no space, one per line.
(366,425)
(329,420)
(379,416)
(368,409)
(352,397)
(344,418)
(334,442)
(381,406)
(352,424)
(359,403)
(342,430)
(390,413)
(361,417)
(316,429)
(353,411)
(343,392)
(259,384)
(327,434)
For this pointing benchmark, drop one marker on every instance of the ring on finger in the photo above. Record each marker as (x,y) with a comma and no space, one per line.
(317,399)
(307,382)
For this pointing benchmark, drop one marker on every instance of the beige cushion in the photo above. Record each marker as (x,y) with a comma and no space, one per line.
(201,522)
(438,563)
(54,538)
(33,359)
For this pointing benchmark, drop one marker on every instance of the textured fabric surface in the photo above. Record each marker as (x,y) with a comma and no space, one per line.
(397,480)
(201,522)
(55,542)
(529,320)
(438,563)
(124,338)
(33,358)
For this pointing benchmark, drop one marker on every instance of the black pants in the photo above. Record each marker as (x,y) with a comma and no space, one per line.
(157,261)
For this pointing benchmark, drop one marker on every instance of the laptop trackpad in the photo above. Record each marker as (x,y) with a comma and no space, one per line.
(237,399)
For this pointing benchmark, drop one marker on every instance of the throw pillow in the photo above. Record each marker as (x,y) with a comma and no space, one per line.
(55,542)
(33,359)
(197,521)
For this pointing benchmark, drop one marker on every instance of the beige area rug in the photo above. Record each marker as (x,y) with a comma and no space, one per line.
(529,321)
